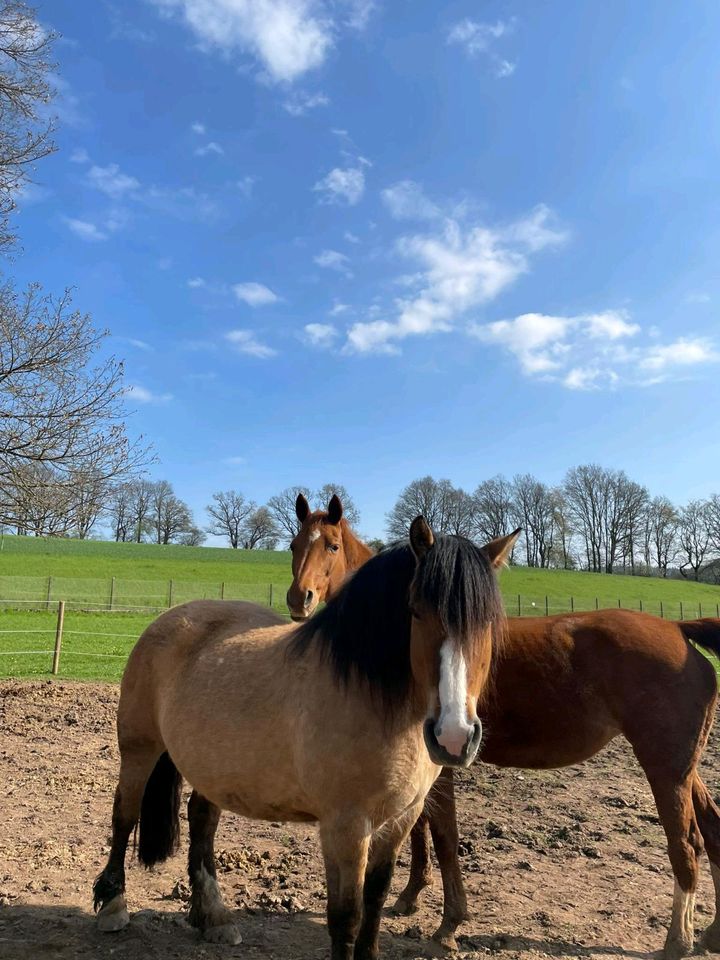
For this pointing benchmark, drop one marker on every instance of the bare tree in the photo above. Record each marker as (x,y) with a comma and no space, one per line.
(55,408)
(25,88)
(282,508)
(321,498)
(192,537)
(89,496)
(170,516)
(427,496)
(229,512)
(534,509)
(694,538)
(139,509)
(493,505)
(584,496)
(260,530)
(118,511)
(662,522)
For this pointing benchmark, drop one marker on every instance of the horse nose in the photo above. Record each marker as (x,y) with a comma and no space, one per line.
(460,741)
(309,598)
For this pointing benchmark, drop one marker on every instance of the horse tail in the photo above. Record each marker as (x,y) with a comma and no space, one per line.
(705,632)
(159,813)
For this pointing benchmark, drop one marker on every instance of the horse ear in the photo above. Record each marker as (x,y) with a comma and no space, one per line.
(335,510)
(421,537)
(302,508)
(499,550)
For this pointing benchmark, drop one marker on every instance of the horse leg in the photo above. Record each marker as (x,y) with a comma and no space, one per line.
(420,866)
(674,800)
(384,849)
(207,911)
(345,844)
(708,817)
(136,765)
(444,830)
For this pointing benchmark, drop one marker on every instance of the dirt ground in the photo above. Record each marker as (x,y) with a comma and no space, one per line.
(561,863)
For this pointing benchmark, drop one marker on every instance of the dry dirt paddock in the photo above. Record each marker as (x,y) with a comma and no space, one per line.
(563,863)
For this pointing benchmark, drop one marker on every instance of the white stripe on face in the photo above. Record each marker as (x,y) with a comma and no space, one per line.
(315,535)
(454,730)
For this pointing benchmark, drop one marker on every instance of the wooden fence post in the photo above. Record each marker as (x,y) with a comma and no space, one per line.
(700,605)
(112,592)
(572,604)
(662,612)
(547,609)
(58,636)
(519,606)
(271,594)
(641,606)
(49,593)
(681,610)
(619,604)
(597,605)
(222,590)
(170,594)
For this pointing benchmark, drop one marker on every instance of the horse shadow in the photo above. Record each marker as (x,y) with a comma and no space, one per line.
(69,933)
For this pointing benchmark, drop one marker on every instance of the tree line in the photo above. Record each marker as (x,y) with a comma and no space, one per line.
(597,519)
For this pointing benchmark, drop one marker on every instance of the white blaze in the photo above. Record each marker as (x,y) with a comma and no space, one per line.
(452,729)
(315,535)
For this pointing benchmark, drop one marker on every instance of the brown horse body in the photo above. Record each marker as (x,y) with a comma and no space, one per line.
(562,689)
(344,721)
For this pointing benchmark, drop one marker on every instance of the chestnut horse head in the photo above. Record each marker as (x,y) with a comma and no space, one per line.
(323,552)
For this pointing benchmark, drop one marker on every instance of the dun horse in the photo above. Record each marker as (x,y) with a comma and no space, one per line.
(562,689)
(345,721)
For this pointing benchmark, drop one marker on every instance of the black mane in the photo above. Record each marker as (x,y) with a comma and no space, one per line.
(364,631)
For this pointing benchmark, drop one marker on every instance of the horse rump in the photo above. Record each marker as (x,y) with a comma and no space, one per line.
(160,813)
(705,632)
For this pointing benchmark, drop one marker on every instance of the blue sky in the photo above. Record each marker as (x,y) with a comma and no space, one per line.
(338,240)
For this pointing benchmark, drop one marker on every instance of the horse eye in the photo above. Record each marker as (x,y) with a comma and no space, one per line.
(333,547)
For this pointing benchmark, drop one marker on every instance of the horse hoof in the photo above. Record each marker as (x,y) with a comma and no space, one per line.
(404,907)
(443,943)
(228,934)
(676,949)
(113,916)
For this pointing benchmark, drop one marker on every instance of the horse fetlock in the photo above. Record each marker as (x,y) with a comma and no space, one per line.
(113,916)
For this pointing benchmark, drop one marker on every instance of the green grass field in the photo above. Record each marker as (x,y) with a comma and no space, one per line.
(151,576)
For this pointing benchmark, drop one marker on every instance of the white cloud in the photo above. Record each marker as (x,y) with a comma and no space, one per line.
(142,395)
(235,461)
(351,237)
(589,352)
(182,203)
(164,263)
(138,344)
(479,38)
(359,12)
(288,37)
(459,268)
(86,230)
(338,308)
(79,155)
(198,128)
(245,341)
(245,186)
(698,296)
(195,283)
(406,201)
(112,181)
(298,104)
(320,334)
(254,294)
(208,148)
(334,260)
(342,186)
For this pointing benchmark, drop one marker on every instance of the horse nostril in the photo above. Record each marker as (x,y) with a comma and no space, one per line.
(308,598)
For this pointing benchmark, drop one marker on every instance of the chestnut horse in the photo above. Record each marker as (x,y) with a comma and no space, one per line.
(344,721)
(563,688)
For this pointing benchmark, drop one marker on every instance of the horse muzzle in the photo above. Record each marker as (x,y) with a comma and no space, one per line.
(441,756)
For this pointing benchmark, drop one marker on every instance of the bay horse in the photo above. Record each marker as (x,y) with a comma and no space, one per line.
(564,687)
(344,721)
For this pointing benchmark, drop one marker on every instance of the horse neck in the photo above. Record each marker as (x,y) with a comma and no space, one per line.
(356,552)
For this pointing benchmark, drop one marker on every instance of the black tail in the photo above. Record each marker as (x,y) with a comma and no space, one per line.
(706,632)
(159,813)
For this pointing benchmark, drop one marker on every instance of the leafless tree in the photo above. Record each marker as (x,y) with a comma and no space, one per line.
(56,408)
(139,509)
(170,516)
(260,530)
(321,498)
(562,553)
(694,538)
(436,500)
(192,537)
(89,496)
(662,521)
(25,88)
(229,512)
(282,508)
(493,504)
(118,511)
(534,511)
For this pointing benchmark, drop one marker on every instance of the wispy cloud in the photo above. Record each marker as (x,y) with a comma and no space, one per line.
(254,294)
(245,186)
(407,201)
(79,155)
(138,344)
(298,104)
(142,395)
(698,296)
(287,37)
(478,39)
(338,308)
(594,351)
(321,335)
(334,260)
(342,186)
(86,230)
(198,128)
(245,341)
(212,147)
(459,268)
(195,283)
(111,181)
